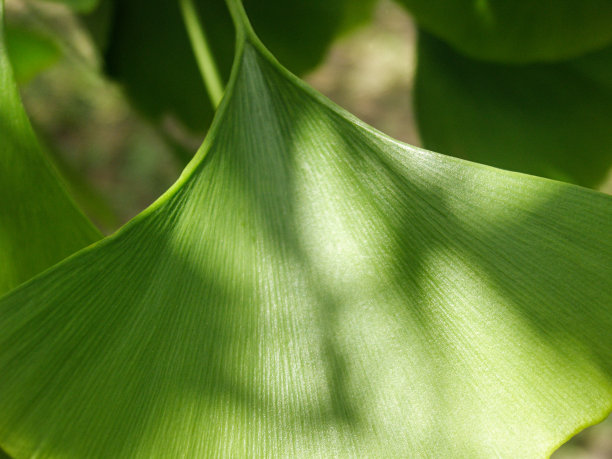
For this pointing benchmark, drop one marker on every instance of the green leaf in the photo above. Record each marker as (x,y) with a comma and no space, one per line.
(30,52)
(518,30)
(312,288)
(81,6)
(356,14)
(150,55)
(299,32)
(149,52)
(551,120)
(39,223)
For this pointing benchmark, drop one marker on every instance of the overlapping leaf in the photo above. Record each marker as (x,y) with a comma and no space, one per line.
(30,52)
(551,120)
(312,288)
(519,30)
(83,6)
(39,224)
(149,53)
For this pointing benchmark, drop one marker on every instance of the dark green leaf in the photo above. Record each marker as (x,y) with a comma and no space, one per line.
(39,223)
(551,120)
(517,30)
(149,53)
(312,288)
(300,31)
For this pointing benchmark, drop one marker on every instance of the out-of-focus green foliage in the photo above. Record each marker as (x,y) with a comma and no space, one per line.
(30,52)
(82,6)
(148,52)
(551,120)
(39,223)
(517,30)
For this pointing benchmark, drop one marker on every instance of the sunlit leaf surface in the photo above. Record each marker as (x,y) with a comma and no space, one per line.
(551,120)
(39,223)
(517,30)
(312,288)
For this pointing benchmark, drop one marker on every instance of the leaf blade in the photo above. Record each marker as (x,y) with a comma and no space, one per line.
(311,287)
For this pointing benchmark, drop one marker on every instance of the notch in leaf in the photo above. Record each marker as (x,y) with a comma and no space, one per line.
(150,35)
(310,287)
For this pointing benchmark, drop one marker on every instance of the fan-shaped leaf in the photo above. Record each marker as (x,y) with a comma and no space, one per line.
(551,120)
(39,223)
(312,288)
(518,30)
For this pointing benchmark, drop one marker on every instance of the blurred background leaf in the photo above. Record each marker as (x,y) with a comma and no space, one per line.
(30,52)
(519,30)
(148,52)
(551,120)
(39,223)
(113,163)
(82,6)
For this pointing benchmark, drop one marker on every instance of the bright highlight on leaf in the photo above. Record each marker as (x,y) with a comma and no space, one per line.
(312,288)
(39,223)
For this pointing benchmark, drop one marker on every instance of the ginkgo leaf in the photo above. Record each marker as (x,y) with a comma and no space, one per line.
(518,30)
(312,288)
(39,223)
(551,120)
